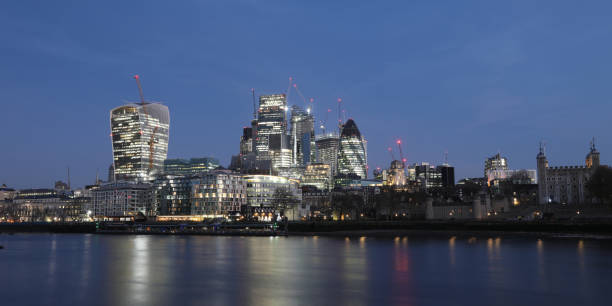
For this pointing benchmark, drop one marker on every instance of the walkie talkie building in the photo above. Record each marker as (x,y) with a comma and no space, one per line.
(139,134)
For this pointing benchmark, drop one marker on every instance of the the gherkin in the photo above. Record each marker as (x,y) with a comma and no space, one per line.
(352,155)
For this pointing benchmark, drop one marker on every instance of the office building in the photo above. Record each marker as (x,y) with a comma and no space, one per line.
(139,134)
(428,175)
(122,199)
(318,175)
(447,173)
(495,163)
(352,155)
(172,195)
(219,193)
(302,136)
(268,194)
(192,166)
(272,141)
(327,151)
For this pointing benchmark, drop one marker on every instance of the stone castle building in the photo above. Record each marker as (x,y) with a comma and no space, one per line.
(565,184)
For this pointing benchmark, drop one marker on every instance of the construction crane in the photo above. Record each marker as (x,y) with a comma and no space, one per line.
(324,122)
(152,141)
(399,145)
(254,104)
(391,152)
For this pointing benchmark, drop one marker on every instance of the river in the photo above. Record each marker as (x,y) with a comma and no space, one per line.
(78,269)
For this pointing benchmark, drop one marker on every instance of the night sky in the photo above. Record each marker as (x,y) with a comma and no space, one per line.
(468,77)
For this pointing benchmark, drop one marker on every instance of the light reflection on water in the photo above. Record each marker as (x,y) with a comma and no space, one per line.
(191,270)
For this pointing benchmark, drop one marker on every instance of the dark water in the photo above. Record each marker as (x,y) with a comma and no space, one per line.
(44,269)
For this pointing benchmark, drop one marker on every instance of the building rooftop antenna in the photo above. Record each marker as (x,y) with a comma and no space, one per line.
(446,157)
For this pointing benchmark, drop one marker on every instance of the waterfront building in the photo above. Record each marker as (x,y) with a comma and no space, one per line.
(122,199)
(302,136)
(139,134)
(267,195)
(327,151)
(172,195)
(565,184)
(219,193)
(352,155)
(32,205)
(192,166)
(6,194)
(318,175)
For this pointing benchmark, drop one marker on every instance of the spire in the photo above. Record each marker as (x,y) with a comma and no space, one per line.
(593,144)
(542,153)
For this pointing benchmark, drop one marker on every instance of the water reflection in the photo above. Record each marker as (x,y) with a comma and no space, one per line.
(159,270)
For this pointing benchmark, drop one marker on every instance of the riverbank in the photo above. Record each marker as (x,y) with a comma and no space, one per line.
(583,229)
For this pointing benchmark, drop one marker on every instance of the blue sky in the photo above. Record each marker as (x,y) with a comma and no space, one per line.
(468,77)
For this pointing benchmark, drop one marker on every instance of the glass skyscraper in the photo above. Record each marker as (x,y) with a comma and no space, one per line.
(327,151)
(302,136)
(139,134)
(271,142)
(352,156)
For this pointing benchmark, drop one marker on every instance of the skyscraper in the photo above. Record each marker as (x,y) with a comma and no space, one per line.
(327,151)
(139,135)
(271,142)
(352,156)
(302,136)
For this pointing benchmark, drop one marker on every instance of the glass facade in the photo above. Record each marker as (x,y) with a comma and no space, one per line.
(327,151)
(192,166)
(271,141)
(302,136)
(218,193)
(317,175)
(139,134)
(261,191)
(352,157)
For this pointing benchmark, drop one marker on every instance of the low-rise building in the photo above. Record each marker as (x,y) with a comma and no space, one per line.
(269,195)
(220,193)
(123,199)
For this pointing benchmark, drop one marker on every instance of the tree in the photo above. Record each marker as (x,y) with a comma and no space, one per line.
(600,184)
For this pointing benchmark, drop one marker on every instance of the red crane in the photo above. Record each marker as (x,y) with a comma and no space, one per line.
(144,110)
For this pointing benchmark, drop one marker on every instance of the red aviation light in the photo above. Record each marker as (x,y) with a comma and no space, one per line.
(140,132)
(404,160)
(399,141)
(311,100)
(339,100)
(136,77)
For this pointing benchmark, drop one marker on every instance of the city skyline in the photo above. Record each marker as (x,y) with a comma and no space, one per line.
(496,106)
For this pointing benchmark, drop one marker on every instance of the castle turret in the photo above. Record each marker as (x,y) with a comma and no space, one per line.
(592,159)
(542,167)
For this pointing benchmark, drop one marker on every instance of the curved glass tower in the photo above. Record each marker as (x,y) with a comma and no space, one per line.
(139,135)
(352,156)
